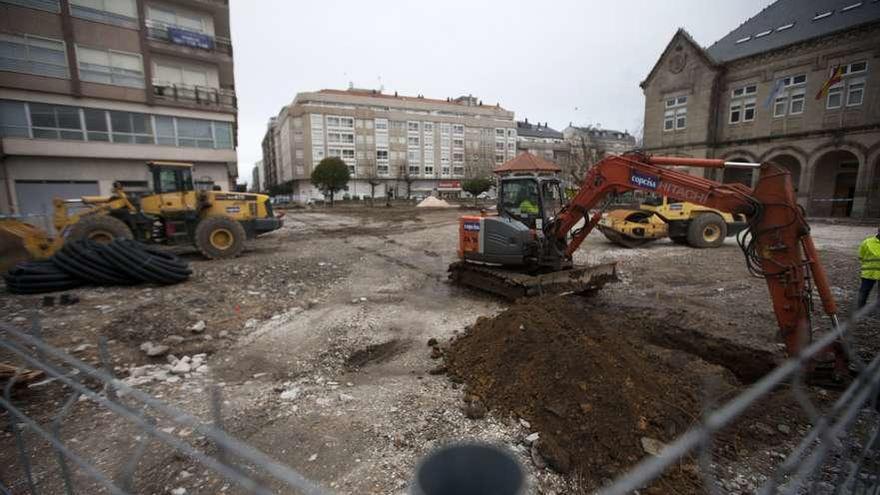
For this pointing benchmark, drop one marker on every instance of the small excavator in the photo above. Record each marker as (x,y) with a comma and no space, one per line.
(526,249)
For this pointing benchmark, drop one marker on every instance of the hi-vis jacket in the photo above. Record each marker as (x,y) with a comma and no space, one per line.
(869,256)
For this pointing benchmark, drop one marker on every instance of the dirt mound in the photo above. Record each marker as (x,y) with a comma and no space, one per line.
(595,392)
(432,202)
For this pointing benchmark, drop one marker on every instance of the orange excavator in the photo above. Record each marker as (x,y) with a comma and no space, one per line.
(526,249)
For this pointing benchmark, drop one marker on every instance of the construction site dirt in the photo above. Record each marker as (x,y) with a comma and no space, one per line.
(318,338)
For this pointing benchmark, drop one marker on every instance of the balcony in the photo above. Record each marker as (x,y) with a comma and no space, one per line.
(197,44)
(195,96)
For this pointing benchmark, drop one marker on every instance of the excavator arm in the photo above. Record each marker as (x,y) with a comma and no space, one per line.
(777,243)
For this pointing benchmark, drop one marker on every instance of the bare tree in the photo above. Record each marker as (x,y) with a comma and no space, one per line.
(404,176)
(584,154)
(372,178)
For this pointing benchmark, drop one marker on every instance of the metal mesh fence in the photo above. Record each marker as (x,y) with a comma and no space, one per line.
(838,454)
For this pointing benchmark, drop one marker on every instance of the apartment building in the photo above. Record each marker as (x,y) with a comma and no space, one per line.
(270,166)
(797,84)
(542,141)
(92,90)
(403,145)
(258,177)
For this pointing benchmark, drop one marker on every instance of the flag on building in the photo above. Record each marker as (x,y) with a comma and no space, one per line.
(772,96)
(836,77)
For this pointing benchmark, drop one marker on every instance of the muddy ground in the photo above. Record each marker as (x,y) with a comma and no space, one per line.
(317,337)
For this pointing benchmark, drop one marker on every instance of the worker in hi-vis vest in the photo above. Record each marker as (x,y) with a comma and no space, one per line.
(869,257)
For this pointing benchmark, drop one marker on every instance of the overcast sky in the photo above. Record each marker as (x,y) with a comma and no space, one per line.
(555,61)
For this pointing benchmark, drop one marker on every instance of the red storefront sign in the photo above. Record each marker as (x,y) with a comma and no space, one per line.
(449,184)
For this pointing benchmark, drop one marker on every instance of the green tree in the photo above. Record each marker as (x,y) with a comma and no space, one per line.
(283,188)
(331,175)
(476,186)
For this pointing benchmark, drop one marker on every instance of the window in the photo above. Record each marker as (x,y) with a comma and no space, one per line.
(835,97)
(96,125)
(412,141)
(428,127)
(189,22)
(48,5)
(415,169)
(55,122)
(789,99)
(675,117)
(193,133)
(499,146)
(13,119)
(110,67)
(785,26)
(499,158)
(135,128)
(742,104)
(458,143)
(180,75)
(855,92)
(223,135)
(346,122)
(413,156)
(855,67)
(164,131)
(458,129)
(458,157)
(429,169)
(499,133)
(119,12)
(381,154)
(412,126)
(382,124)
(317,121)
(797,102)
(33,55)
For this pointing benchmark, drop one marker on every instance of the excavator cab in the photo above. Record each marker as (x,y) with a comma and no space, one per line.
(530,199)
(170,177)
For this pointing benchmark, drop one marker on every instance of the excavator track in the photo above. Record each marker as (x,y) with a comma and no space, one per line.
(514,285)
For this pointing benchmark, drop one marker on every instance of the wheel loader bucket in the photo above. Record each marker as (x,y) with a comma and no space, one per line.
(21,241)
(514,285)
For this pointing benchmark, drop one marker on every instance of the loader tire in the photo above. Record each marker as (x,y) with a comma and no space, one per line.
(98,228)
(220,237)
(707,230)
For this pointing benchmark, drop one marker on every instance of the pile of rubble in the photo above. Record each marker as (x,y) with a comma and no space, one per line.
(173,371)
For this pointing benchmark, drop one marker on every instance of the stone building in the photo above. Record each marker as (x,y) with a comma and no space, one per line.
(588,145)
(91,90)
(393,144)
(270,165)
(757,95)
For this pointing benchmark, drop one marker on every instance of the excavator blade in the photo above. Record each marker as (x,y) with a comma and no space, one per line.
(513,285)
(622,239)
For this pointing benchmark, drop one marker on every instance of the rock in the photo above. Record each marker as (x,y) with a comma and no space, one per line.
(652,446)
(186,359)
(525,424)
(154,350)
(346,397)
(181,367)
(312,303)
(82,347)
(432,342)
(783,429)
(178,491)
(537,460)
(251,323)
(202,369)
(313,457)
(223,334)
(532,438)
(439,370)
(290,394)
(172,379)
(199,327)
(171,358)
(436,353)
(174,339)
(557,458)
(475,409)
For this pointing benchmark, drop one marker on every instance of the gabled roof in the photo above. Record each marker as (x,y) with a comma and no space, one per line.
(684,35)
(529,129)
(792,21)
(527,162)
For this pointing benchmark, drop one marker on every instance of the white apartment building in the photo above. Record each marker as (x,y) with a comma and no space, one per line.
(393,144)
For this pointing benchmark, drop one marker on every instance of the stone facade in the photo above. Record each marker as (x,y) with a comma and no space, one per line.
(764,107)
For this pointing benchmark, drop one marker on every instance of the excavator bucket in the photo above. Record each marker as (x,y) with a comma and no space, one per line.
(513,285)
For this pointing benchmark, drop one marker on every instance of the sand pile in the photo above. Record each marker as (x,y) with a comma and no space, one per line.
(432,202)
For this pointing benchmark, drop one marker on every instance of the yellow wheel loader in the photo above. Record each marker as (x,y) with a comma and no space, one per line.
(684,223)
(216,222)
